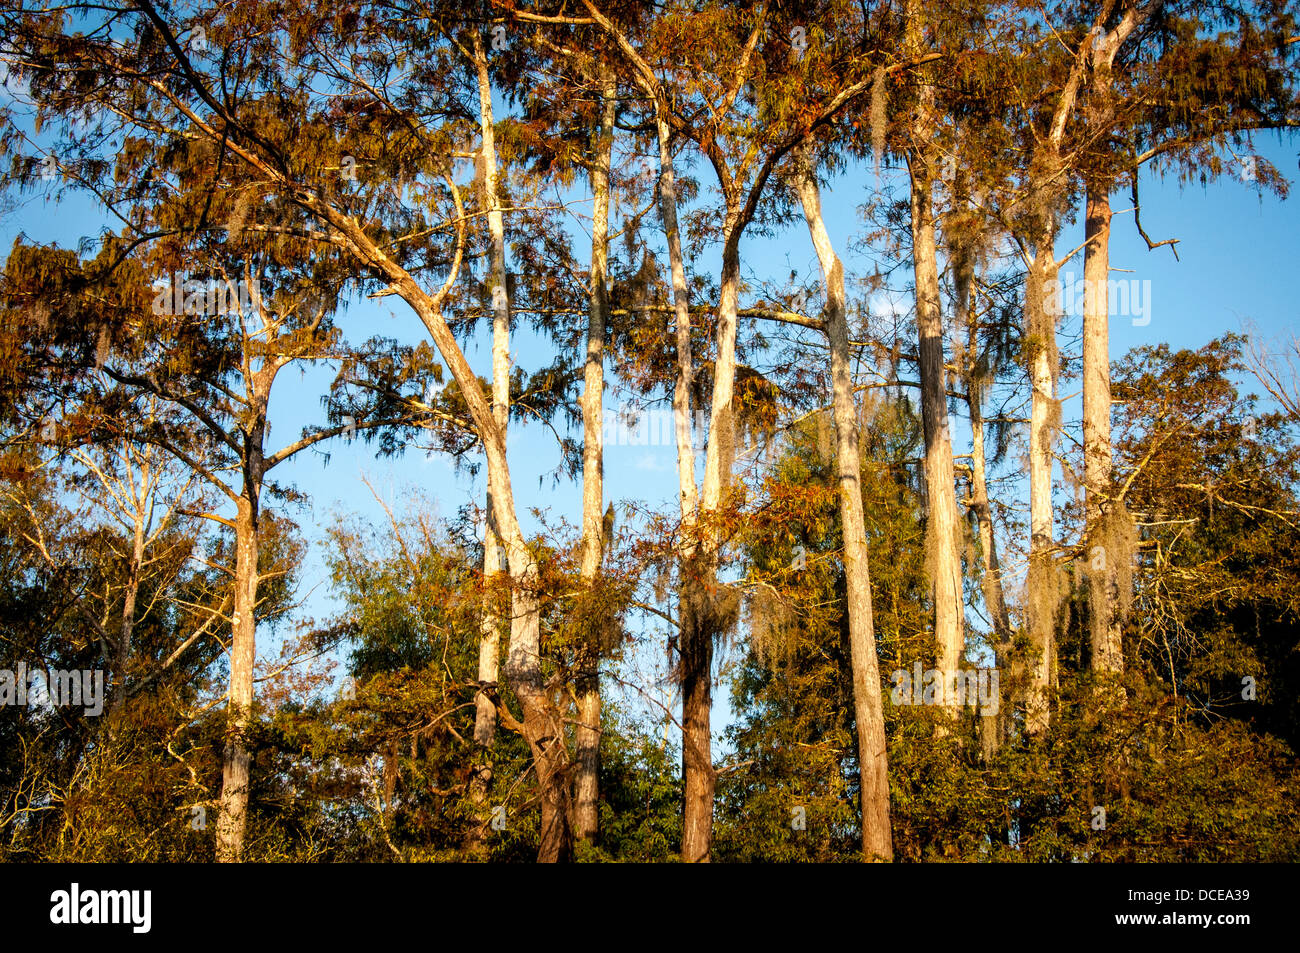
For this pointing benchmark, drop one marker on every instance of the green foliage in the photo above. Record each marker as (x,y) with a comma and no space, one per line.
(1177,780)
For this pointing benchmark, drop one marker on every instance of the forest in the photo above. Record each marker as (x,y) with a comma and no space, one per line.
(805,446)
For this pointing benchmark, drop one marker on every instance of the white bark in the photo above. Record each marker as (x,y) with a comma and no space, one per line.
(877,842)
(1103,583)
(543,725)
(587,732)
(489,656)
(682,325)
(1041,597)
(942,539)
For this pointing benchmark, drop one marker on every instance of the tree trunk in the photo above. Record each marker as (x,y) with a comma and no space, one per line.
(967,314)
(233,811)
(489,655)
(682,327)
(489,663)
(1044,418)
(942,544)
(122,653)
(1103,585)
(702,621)
(695,645)
(720,455)
(994,596)
(873,766)
(942,539)
(587,731)
(1105,612)
(991,579)
(543,725)
(694,641)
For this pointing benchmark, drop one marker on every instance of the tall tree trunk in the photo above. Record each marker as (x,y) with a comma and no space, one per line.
(1103,584)
(489,629)
(963,268)
(587,731)
(942,550)
(994,595)
(122,652)
(543,725)
(694,640)
(489,655)
(873,765)
(720,455)
(232,815)
(699,617)
(942,544)
(682,330)
(1105,613)
(991,579)
(695,643)
(1041,601)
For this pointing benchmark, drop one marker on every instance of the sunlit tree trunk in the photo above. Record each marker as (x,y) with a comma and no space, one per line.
(877,841)
(695,643)
(587,732)
(489,662)
(1106,616)
(1107,647)
(543,725)
(694,640)
(489,655)
(1041,597)
(682,332)
(942,552)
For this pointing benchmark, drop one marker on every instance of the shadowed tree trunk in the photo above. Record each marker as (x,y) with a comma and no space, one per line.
(232,817)
(943,557)
(967,314)
(122,653)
